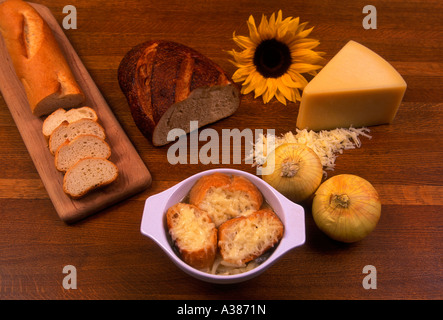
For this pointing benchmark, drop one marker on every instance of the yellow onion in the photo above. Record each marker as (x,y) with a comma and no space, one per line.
(346,207)
(294,170)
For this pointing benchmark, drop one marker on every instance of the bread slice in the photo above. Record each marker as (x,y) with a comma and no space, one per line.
(83,146)
(88,174)
(245,238)
(194,235)
(60,115)
(204,105)
(68,131)
(38,60)
(168,84)
(225,197)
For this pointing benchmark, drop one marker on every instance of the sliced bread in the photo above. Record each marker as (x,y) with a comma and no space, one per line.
(225,197)
(245,238)
(58,116)
(194,235)
(68,131)
(83,146)
(88,174)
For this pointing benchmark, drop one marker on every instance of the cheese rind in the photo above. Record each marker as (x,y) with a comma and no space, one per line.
(356,88)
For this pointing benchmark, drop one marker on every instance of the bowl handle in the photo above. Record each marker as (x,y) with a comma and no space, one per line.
(152,219)
(295,231)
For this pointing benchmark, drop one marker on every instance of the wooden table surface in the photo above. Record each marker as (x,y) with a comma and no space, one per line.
(112,258)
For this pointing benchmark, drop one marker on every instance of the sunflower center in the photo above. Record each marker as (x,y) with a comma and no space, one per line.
(272,58)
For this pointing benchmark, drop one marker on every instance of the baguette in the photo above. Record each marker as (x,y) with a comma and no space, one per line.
(87,175)
(194,235)
(167,85)
(245,238)
(225,197)
(37,59)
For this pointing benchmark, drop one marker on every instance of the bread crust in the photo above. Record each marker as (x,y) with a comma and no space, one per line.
(67,125)
(155,75)
(202,186)
(68,143)
(220,180)
(261,219)
(38,59)
(202,258)
(64,115)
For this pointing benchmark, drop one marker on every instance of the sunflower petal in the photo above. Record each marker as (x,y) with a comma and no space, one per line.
(280,97)
(273,26)
(301,67)
(238,76)
(301,27)
(263,29)
(260,87)
(297,77)
(287,81)
(265,97)
(293,25)
(297,95)
(284,89)
(272,87)
(305,43)
(305,33)
(243,42)
(253,32)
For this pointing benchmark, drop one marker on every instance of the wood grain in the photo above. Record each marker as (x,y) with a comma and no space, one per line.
(114,261)
(133,174)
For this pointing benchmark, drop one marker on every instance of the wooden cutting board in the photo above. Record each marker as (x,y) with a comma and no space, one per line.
(133,174)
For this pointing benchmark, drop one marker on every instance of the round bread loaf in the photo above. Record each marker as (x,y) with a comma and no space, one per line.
(168,84)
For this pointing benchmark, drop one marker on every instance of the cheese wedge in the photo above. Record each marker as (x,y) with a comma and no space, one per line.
(356,88)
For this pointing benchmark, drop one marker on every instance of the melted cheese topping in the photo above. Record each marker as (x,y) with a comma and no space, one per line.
(222,204)
(249,237)
(191,230)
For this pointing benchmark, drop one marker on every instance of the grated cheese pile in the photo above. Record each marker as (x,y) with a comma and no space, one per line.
(327,144)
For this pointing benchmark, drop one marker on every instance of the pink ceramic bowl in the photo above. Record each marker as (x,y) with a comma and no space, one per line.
(153,224)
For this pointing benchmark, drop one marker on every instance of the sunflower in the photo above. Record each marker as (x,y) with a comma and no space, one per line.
(274,57)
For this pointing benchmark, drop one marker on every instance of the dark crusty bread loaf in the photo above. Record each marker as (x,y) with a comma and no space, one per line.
(167,85)
(37,58)
(245,238)
(194,234)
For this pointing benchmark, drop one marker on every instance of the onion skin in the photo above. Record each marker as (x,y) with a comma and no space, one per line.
(297,173)
(346,207)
